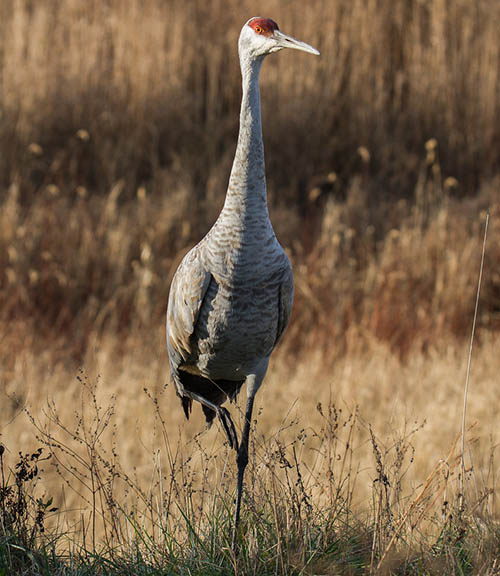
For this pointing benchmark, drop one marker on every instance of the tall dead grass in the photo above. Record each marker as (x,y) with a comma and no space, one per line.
(117,117)
(77,266)
(157,88)
(117,130)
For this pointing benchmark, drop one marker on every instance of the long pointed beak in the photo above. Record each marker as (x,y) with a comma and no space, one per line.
(285,41)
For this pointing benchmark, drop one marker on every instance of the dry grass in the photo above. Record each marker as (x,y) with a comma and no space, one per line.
(128,129)
(424,391)
(336,496)
(74,269)
(157,89)
(118,123)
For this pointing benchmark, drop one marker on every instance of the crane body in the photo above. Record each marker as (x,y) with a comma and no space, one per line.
(231,297)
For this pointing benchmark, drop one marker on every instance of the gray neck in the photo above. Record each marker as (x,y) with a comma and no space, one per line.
(247,183)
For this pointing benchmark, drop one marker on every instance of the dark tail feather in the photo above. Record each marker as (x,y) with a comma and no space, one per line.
(209,414)
(187,404)
(215,391)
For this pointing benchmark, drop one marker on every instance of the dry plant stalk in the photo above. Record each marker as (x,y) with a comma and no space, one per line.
(469,360)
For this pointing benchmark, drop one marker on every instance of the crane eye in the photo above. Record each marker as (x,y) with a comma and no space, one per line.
(258,29)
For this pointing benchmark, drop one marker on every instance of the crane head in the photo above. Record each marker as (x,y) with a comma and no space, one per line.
(261,36)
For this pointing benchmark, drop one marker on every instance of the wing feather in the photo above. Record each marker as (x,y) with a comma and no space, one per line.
(187,291)
(285,302)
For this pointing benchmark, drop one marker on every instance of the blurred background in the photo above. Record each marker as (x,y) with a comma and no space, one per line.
(118,126)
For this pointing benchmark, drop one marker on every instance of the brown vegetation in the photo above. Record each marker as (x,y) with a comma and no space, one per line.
(118,129)
(118,123)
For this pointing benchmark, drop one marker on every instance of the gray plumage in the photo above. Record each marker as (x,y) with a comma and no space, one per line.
(231,296)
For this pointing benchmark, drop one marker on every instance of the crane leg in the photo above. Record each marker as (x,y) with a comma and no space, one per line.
(242,461)
(224,417)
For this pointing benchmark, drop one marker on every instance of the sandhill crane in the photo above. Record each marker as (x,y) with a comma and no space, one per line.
(231,296)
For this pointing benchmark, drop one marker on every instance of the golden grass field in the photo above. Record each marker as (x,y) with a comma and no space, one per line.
(118,124)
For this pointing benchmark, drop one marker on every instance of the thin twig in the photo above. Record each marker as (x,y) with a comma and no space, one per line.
(462,478)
